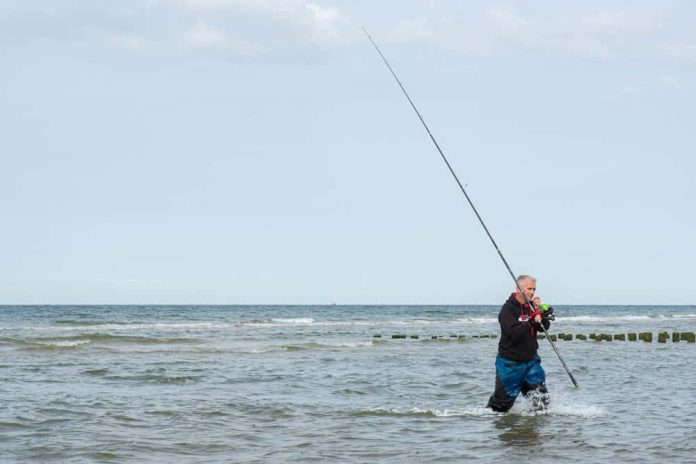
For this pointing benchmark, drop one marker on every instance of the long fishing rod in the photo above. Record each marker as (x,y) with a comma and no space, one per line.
(471,203)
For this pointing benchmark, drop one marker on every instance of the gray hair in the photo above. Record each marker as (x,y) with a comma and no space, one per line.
(522,277)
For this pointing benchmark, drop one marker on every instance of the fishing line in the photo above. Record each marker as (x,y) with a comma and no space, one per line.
(471,203)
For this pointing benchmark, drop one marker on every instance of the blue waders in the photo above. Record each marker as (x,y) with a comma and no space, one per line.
(513,377)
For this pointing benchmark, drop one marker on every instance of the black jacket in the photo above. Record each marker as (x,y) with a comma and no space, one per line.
(517,334)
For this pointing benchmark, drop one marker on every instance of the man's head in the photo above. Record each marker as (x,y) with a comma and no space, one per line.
(528,285)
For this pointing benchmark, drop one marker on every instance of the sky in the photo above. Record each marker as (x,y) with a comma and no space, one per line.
(259,151)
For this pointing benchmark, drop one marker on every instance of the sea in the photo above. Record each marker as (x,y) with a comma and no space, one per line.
(303,384)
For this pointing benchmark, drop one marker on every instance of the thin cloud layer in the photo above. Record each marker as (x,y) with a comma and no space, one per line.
(265,23)
(501,29)
(237,27)
(605,30)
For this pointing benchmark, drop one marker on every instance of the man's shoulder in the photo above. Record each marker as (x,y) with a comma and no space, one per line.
(510,305)
(511,301)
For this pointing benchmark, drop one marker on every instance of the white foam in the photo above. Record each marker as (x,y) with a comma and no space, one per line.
(270,349)
(623,318)
(130,326)
(561,319)
(577,410)
(193,326)
(561,405)
(348,344)
(64,343)
(478,412)
(301,346)
(476,320)
(296,320)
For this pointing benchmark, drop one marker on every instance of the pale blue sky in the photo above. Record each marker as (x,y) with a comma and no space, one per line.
(239,151)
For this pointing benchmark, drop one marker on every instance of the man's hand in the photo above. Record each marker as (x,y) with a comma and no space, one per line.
(536,302)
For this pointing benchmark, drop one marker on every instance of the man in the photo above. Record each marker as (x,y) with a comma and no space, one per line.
(518,366)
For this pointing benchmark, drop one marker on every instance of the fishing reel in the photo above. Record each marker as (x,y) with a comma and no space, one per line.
(547,312)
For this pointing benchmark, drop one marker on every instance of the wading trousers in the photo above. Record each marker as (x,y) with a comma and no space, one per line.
(513,377)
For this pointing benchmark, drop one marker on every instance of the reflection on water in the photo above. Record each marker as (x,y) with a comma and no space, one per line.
(518,431)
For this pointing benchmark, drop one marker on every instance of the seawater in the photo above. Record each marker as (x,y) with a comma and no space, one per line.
(201,384)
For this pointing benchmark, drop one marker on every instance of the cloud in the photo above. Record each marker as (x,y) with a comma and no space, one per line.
(685,51)
(486,32)
(325,22)
(131,43)
(231,27)
(248,27)
(607,22)
(302,21)
(669,81)
(629,90)
(417,30)
(202,35)
(599,30)
(505,21)
(517,27)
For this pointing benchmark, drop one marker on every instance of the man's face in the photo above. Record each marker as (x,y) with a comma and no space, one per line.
(528,286)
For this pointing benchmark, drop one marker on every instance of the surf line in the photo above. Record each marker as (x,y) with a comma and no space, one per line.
(471,203)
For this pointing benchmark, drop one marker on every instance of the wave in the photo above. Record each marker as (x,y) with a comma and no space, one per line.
(242,350)
(87,323)
(127,325)
(115,326)
(419,412)
(365,323)
(522,408)
(96,372)
(154,378)
(42,343)
(306,346)
(561,405)
(70,325)
(102,337)
(292,321)
(156,375)
(477,320)
(62,343)
(7,425)
(576,410)
(465,321)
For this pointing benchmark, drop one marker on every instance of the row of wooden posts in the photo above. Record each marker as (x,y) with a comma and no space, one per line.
(662,337)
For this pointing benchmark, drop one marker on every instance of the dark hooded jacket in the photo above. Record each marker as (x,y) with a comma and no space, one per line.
(518,331)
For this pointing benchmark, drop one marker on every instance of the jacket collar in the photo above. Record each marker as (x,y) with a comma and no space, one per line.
(513,298)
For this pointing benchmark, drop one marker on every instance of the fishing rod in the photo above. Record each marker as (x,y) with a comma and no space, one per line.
(471,203)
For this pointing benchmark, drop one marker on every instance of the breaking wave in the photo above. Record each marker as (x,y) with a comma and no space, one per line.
(420,412)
